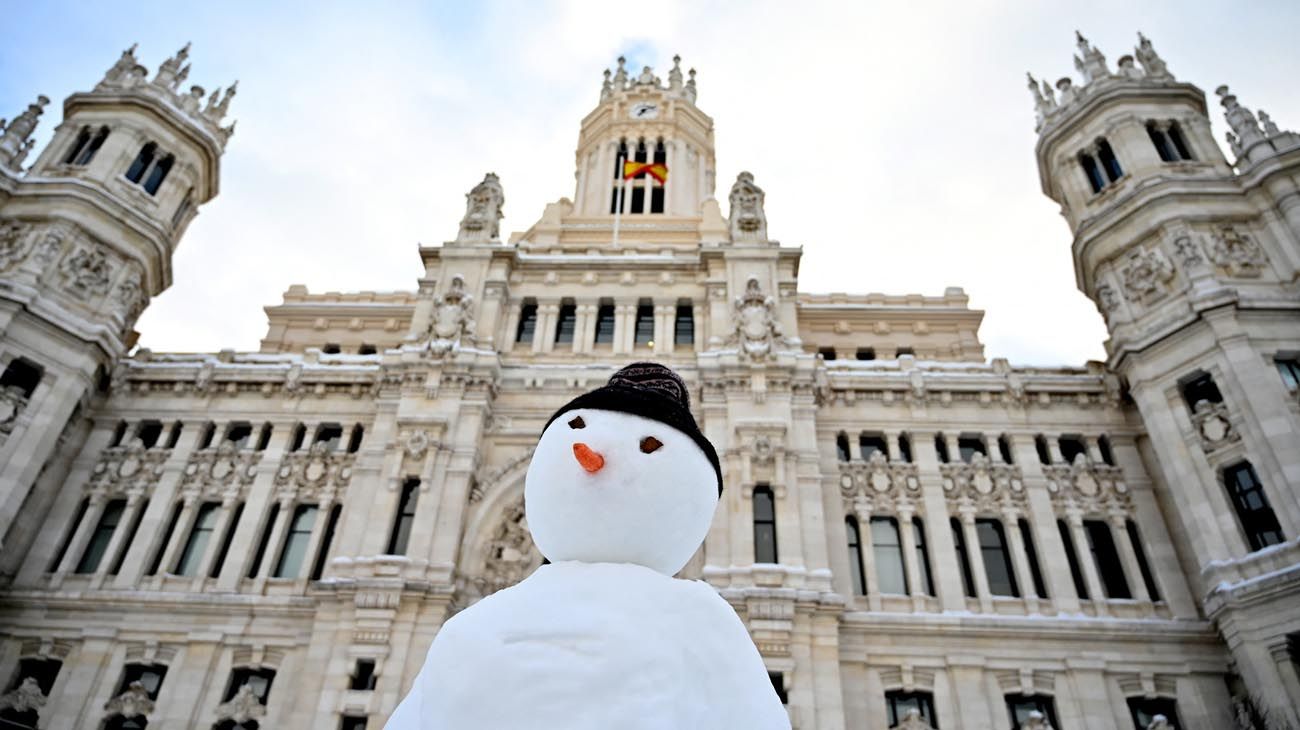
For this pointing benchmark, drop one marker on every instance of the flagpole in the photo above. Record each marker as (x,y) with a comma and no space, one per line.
(622,185)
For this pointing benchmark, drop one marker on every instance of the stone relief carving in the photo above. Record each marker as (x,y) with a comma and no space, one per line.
(12,403)
(1213,425)
(14,243)
(129,296)
(1145,273)
(16,136)
(415,443)
(1107,300)
(453,319)
(912,721)
(882,483)
(241,708)
(1188,254)
(1093,488)
(26,697)
(131,466)
(134,702)
(223,471)
(482,221)
(87,273)
(1236,253)
(316,473)
(982,483)
(510,557)
(748,221)
(756,328)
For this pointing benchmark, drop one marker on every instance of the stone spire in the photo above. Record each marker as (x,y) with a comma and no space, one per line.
(1044,99)
(620,76)
(606,88)
(174,70)
(1151,61)
(16,136)
(126,72)
(689,91)
(675,75)
(1090,63)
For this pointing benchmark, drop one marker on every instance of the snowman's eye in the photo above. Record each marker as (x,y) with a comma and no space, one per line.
(650,444)
(577,422)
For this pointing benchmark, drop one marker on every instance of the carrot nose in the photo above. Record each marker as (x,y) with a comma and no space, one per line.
(590,460)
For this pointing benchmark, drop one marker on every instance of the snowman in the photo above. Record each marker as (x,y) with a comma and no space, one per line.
(620,493)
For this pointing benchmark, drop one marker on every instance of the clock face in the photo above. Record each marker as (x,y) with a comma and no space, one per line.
(645,111)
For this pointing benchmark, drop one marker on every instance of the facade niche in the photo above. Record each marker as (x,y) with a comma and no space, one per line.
(21,376)
(527,326)
(900,703)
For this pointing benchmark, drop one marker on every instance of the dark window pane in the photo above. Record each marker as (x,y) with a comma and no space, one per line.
(158,174)
(645,324)
(855,556)
(865,353)
(1109,163)
(684,325)
(103,534)
(156,563)
(401,533)
(141,162)
(363,676)
(1021,706)
(888,553)
(1148,578)
(68,535)
(327,537)
(997,558)
(197,543)
(869,444)
(265,542)
(567,324)
(764,525)
(605,324)
(1180,144)
(905,447)
(1106,557)
(527,323)
(1031,553)
(229,537)
(1145,709)
(963,559)
(969,446)
(1198,388)
(778,684)
(295,544)
(842,446)
(1076,572)
(1252,506)
(899,703)
(922,556)
(1072,447)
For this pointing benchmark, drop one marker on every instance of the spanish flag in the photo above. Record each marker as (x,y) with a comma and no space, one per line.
(656,170)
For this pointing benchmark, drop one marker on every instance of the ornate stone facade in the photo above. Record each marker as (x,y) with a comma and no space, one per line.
(909,530)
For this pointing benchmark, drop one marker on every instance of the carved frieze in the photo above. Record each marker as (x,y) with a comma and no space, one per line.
(1087,486)
(883,484)
(1145,274)
(318,473)
(225,471)
(989,487)
(1213,426)
(87,272)
(128,467)
(1236,253)
(15,240)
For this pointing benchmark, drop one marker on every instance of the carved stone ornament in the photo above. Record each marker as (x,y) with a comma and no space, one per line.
(1036,721)
(1090,487)
(241,708)
(16,136)
(1188,253)
(883,482)
(912,721)
(482,221)
(221,471)
(1236,253)
(509,557)
(125,467)
(748,221)
(12,403)
(14,243)
(982,483)
(129,296)
(1159,722)
(134,702)
(762,450)
(1145,273)
(317,473)
(453,319)
(26,697)
(1107,301)
(87,273)
(1213,425)
(756,329)
(415,443)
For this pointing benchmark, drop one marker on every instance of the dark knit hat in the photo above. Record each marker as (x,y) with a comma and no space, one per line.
(649,390)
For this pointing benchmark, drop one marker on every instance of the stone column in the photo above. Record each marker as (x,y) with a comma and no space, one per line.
(77,546)
(624,326)
(1020,559)
(282,519)
(511,329)
(1042,525)
(907,543)
(178,538)
(33,440)
(218,537)
(1133,572)
(699,319)
(973,706)
(975,557)
(73,696)
(862,508)
(664,315)
(946,572)
(258,500)
(547,317)
(129,515)
(1075,520)
(584,330)
(954,451)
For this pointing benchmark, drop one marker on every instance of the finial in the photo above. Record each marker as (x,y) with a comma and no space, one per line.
(621,61)
(1080,39)
(677,60)
(184,51)
(131,51)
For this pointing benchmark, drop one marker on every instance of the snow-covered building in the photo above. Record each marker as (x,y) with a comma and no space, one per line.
(916,536)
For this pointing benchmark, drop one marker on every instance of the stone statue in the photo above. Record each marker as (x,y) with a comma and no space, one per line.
(675,75)
(26,697)
(748,221)
(1234,143)
(1036,721)
(453,318)
(241,708)
(133,702)
(1066,87)
(1150,60)
(1127,70)
(690,86)
(620,75)
(757,330)
(123,72)
(647,77)
(482,221)
(130,297)
(173,71)
(191,101)
(912,720)
(1159,722)
(1240,118)
(1091,64)
(15,137)
(1270,126)
(606,88)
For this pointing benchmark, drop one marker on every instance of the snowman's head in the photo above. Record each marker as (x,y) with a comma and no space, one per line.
(623,475)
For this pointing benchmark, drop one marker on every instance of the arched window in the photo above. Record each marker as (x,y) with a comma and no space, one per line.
(1168,140)
(142,161)
(1251,504)
(855,556)
(887,551)
(527,322)
(842,446)
(640,181)
(1092,171)
(764,525)
(1106,156)
(88,153)
(78,145)
(158,174)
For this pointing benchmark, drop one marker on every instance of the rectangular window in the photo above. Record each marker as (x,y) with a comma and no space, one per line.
(604,324)
(1004,450)
(174,436)
(1021,707)
(161,548)
(197,543)
(209,433)
(842,446)
(922,556)
(1071,555)
(1253,510)
(638,199)
(149,432)
(855,556)
(363,675)
(1289,369)
(657,199)
(1145,709)
(365,349)
(898,705)
(963,558)
(239,433)
(567,324)
(905,448)
(941,448)
(1109,163)
(827,353)
(865,353)
(150,676)
(299,436)
(527,322)
(871,443)
(1027,537)
(103,534)
(904,351)
(997,558)
(353,722)
(295,544)
(354,439)
(401,533)
(323,552)
(1106,557)
(1072,447)
(1199,387)
(1040,446)
(764,525)
(42,669)
(1103,445)
(331,348)
(264,437)
(228,538)
(132,529)
(778,684)
(259,680)
(265,543)
(645,323)
(330,434)
(969,446)
(888,554)
(1148,579)
(684,324)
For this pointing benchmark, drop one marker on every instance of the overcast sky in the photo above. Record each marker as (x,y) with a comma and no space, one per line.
(894,140)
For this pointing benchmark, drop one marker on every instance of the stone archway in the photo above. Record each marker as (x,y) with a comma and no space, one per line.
(507,557)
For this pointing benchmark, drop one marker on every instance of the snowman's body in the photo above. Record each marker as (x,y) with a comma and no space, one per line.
(594,645)
(620,493)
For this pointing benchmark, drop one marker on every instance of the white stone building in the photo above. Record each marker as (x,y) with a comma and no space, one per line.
(915,536)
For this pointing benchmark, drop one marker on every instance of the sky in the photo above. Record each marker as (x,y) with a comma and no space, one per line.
(894,140)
